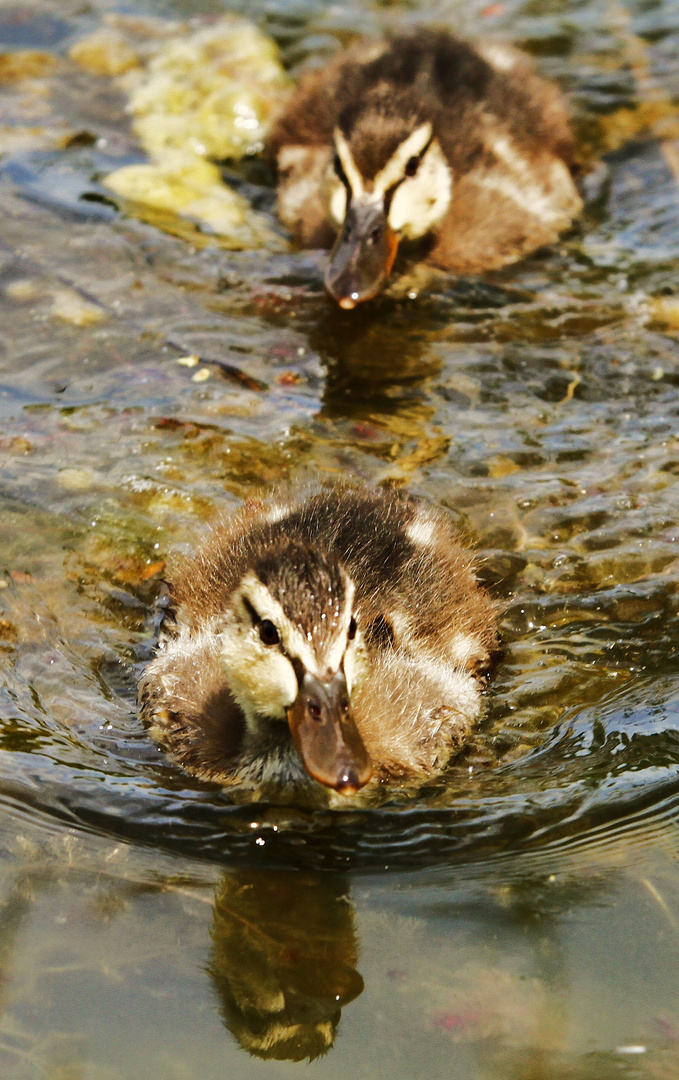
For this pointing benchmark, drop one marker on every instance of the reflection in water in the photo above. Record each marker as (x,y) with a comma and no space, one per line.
(378,366)
(524,968)
(283,961)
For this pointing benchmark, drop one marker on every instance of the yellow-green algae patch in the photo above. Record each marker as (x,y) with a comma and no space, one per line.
(210,95)
(192,188)
(104,52)
(213,93)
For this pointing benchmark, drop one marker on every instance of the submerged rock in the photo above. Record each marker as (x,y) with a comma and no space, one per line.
(104,52)
(26,64)
(209,95)
(191,187)
(212,94)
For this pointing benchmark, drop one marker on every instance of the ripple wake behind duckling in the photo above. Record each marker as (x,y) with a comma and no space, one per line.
(321,651)
(423,137)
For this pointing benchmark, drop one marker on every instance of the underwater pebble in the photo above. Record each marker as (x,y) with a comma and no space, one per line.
(188,361)
(201,376)
(665,309)
(23,290)
(76,479)
(500,466)
(20,577)
(16,444)
(19,138)
(26,64)
(104,52)
(73,309)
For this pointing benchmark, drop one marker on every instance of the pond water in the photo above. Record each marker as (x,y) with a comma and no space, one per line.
(520,919)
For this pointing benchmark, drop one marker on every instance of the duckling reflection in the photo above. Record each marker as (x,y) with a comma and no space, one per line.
(374,361)
(283,964)
(378,377)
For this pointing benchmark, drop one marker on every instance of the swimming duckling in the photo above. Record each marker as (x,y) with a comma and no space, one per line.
(318,647)
(423,137)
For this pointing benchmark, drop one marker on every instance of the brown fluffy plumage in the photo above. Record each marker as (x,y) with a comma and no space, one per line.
(423,631)
(503,132)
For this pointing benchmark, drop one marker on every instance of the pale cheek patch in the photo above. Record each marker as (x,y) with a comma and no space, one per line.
(263,682)
(338,203)
(420,202)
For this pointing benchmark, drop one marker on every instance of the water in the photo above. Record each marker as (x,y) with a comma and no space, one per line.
(520,919)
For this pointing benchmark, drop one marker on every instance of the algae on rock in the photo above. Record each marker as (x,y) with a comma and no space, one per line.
(191,187)
(212,93)
(209,95)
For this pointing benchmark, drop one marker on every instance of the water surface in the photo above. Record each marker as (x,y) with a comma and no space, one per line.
(519,920)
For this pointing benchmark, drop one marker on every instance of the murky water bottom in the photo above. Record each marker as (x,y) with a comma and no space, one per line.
(520,919)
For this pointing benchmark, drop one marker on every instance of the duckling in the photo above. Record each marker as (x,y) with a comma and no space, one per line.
(321,646)
(423,137)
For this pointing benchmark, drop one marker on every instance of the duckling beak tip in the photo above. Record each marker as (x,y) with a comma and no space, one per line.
(348,783)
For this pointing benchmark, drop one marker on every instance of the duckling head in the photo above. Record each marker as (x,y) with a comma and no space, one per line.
(290,648)
(392,181)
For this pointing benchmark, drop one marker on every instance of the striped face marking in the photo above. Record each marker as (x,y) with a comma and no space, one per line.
(261,647)
(414,186)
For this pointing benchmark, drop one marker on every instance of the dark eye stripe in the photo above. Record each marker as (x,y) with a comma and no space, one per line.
(251,611)
(339,170)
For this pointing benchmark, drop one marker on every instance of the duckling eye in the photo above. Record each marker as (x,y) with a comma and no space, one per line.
(352,629)
(268,632)
(412,165)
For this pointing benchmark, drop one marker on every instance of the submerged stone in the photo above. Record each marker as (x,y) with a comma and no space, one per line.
(26,64)
(104,52)
(192,188)
(213,93)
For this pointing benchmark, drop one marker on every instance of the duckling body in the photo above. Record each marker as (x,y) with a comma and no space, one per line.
(423,137)
(320,651)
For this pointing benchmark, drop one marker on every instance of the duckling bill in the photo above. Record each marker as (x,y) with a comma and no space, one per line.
(423,138)
(317,648)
